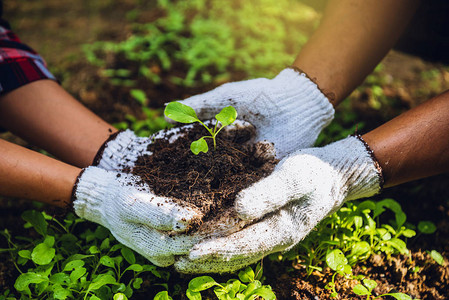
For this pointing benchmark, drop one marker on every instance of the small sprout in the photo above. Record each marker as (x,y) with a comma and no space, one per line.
(185,114)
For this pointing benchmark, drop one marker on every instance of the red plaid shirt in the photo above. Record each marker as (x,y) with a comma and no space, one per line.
(19,64)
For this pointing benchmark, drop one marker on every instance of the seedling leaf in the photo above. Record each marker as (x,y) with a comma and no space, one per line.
(399,296)
(370,284)
(360,290)
(437,257)
(180,113)
(201,283)
(37,220)
(193,295)
(227,115)
(427,227)
(198,146)
(128,254)
(247,275)
(42,254)
(336,258)
(265,293)
(101,280)
(162,296)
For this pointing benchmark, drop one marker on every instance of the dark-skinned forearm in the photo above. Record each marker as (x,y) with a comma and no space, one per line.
(351,40)
(45,115)
(415,144)
(34,176)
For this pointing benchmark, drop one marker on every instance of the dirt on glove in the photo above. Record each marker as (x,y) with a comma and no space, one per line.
(210,181)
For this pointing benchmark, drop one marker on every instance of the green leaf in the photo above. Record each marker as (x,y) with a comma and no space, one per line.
(59,278)
(105,245)
(25,279)
(265,293)
(101,280)
(120,296)
(398,245)
(193,295)
(107,261)
(37,220)
(128,254)
(201,283)
(49,241)
(409,233)
(233,287)
(139,95)
(360,290)
(252,287)
(77,274)
(60,293)
(427,227)
(360,248)
(227,115)
(94,250)
(42,254)
(336,258)
(135,268)
(370,284)
(137,283)
(180,113)
(73,265)
(247,275)
(437,257)
(162,296)
(399,296)
(198,146)
(25,254)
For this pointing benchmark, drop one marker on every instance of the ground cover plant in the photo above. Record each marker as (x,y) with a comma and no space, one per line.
(341,257)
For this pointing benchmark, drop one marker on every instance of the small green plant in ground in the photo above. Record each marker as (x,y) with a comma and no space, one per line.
(185,114)
(87,265)
(248,287)
(351,235)
(369,285)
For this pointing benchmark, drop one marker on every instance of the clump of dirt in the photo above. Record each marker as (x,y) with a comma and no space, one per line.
(210,181)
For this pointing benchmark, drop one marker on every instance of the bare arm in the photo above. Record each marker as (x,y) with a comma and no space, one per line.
(31,175)
(351,40)
(44,114)
(415,144)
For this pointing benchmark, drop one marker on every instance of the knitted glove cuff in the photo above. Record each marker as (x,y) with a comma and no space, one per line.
(362,172)
(329,95)
(121,150)
(93,186)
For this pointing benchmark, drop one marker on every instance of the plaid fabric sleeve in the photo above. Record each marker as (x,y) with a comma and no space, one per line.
(19,64)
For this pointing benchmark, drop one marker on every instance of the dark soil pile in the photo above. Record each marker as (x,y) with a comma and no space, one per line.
(210,181)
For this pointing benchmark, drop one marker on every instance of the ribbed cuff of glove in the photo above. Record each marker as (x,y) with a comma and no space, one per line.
(299,96)
(362,174)
(122,151)
(93,186)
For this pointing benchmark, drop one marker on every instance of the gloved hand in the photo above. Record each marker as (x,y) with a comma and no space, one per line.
(288,110)
(121,150)
(303,189)
(135,216)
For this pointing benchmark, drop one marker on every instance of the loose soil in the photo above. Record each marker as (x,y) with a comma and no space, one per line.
(210,181)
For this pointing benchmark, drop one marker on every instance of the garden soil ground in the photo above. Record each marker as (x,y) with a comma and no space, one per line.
(58,28)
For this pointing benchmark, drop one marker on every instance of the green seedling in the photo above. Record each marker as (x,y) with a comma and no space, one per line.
(185,114)
(248,286)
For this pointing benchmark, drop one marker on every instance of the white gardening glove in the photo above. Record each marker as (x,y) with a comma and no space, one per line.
(121,151)
(137,218)
(288,110)
(303,189)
